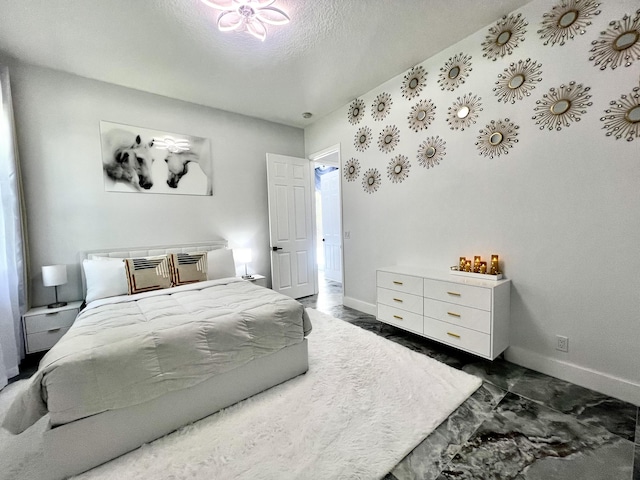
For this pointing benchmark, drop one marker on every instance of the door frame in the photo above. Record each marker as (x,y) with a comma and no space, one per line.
(318,157)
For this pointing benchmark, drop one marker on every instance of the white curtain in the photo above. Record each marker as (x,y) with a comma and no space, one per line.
(12,244)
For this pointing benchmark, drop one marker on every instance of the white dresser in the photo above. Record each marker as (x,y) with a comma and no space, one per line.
(466,313)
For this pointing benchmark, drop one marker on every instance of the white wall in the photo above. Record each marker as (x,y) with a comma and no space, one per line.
(561,208)
(68,210)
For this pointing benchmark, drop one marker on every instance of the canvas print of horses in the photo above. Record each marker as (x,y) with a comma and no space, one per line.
(136,159)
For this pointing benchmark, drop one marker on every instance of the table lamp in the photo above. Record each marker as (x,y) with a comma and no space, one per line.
(52,276)
(243,255)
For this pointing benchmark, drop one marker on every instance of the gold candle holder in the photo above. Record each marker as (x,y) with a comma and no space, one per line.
(467,266)
(462,263)
(483,267)
(495,269)
(476,263)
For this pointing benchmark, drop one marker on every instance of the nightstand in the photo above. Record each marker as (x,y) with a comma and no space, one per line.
(44,326)
(258,280)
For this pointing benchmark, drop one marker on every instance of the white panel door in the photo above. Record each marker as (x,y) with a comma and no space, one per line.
(290,225)
(331,232)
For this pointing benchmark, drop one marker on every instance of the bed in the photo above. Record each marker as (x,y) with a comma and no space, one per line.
(135,367)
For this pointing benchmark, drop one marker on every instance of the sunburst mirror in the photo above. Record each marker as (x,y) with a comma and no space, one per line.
(371,180)
(464,112)
(619,44)
(454,72)
(351,170)
(388,138)
(567,19)
(362,140)
(561,106)
(421,115)
(504,36)
(356,111)
(414,81)
(381,106)
(431,151)
(517,81)
(497,138)
(622,119)
(398,169)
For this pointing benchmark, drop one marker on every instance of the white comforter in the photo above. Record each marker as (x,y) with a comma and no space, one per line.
(127,350)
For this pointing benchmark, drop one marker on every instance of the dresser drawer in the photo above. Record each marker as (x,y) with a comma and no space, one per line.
(404,301)
(44,322)
(401,318)
(473,318)
(459,337)
(37,342)
(468,295)
(400,282)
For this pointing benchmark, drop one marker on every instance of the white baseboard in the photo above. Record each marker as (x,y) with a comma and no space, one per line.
(585,377)
(365,307)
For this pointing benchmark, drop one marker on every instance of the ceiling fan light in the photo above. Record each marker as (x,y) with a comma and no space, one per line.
(229,21)
(229,8)
(257,29)
(272,16)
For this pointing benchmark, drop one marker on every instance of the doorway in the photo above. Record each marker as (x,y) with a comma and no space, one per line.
(328,218)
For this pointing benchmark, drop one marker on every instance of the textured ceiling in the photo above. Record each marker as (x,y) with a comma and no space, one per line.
(331,52)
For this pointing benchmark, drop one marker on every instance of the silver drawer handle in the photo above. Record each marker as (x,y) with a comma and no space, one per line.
(454,293)
(398,317)
(453,314)
(398,300)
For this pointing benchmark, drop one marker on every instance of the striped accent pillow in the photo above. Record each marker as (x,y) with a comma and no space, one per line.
(188,268)
(147,273)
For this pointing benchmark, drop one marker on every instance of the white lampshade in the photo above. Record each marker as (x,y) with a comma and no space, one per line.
(242,255)
(53,275)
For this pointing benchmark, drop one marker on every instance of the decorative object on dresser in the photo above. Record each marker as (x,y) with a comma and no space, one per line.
(44,326)
(52,276)
(468,314)
(479,269)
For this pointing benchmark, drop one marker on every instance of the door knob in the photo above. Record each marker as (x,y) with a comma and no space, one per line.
(275,249)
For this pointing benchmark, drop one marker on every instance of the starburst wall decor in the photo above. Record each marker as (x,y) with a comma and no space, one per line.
(388,139)
(414,82)
(421,115)
(398,169)
(504,36)
(619,44)
(622,119)
(566,20)
(371,180)
(356,112)
(518,80)
(351,170)
(454,72)
(362,140)
(431,151)
(464,112)
(381,106)
(497,138)
(561,106)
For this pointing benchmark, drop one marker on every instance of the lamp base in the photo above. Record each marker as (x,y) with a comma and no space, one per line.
(56,305)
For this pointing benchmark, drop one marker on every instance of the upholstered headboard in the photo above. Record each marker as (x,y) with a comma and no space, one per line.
(130,252)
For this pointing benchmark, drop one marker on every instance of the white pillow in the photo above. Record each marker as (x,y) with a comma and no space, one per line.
(105,277)
(220,264)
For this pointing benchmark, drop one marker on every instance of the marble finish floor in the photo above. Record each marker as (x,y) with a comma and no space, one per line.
(520,424)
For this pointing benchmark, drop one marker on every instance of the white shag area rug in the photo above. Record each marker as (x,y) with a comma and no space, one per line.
(363,405)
